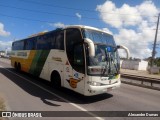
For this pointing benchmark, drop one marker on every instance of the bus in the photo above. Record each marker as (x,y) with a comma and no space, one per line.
(81,58)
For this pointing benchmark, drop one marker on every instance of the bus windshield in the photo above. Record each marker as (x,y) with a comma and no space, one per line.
(106,60)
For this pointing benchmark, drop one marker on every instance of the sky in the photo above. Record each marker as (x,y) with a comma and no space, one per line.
(131,22)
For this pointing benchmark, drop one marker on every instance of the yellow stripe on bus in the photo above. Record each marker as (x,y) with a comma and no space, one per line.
(25,63)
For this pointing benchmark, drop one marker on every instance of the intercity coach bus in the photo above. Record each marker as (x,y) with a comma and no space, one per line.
(81,58)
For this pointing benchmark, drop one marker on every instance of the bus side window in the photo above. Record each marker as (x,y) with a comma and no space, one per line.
(14,46)
(78,55)
(42,43)
(52,40)
(74,49)
(30,44)
(59,44)
(19,45)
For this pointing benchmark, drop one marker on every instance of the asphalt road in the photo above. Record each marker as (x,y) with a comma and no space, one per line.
(24,92)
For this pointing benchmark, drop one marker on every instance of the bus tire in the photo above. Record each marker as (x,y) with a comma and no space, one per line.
(19,67)
(56,80)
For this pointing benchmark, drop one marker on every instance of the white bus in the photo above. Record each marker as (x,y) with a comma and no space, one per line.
(81,58)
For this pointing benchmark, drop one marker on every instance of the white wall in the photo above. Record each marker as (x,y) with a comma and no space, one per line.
(134,64)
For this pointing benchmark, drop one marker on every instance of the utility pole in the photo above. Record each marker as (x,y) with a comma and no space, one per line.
(155,42)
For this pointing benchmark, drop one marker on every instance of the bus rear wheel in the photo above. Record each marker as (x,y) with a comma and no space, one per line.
(19,67)
(56,80)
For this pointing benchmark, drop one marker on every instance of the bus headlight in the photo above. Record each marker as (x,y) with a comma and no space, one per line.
(95,83)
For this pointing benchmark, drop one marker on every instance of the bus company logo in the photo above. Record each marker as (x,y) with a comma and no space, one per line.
(67,69)
(76,75)
(22,54)
(57,59)
(73,82)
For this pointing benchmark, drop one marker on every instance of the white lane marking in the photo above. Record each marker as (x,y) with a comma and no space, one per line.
(99,118)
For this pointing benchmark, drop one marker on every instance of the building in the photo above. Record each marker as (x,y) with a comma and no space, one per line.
(2,53)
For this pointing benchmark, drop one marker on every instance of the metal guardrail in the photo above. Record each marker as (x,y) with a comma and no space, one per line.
(147,82)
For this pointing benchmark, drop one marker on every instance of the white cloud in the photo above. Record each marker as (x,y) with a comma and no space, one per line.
(126,15)
(79,15)
(147,8)
(135,41)
(2,31)
(109,7)
(5,45)
(57,25)
(140,18)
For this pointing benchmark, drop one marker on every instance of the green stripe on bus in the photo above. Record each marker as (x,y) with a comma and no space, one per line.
(38,62)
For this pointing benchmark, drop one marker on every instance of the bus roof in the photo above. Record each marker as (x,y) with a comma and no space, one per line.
(86,27)
(69,26)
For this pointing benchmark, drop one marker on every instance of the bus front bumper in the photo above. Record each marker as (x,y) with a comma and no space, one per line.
(95,90)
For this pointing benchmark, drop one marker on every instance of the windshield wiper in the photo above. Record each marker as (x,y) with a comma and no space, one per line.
(116,67)
(107,66)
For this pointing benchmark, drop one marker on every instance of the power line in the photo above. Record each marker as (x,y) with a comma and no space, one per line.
(85,10)
(44,4)
(37,11)
(45,21)
(36,20)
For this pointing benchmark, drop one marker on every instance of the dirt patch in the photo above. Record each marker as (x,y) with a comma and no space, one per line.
(2,105)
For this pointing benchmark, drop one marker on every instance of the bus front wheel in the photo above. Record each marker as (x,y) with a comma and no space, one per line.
(56,80)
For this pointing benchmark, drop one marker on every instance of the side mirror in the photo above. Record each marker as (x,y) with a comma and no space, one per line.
(118,47)
(91,47)
(125,48)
